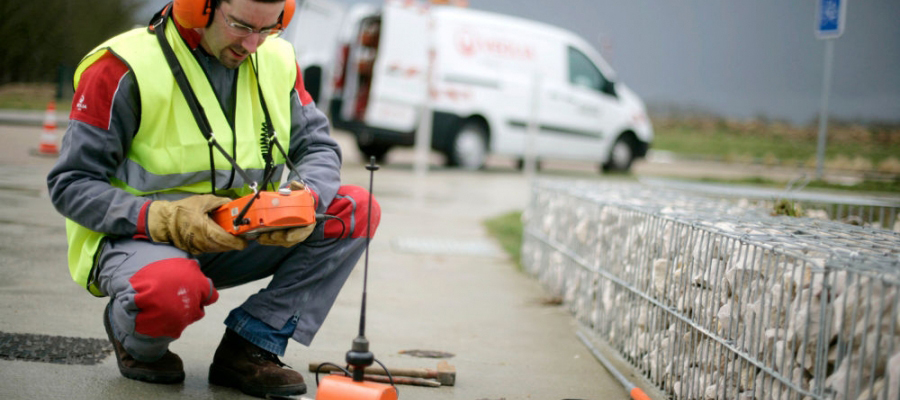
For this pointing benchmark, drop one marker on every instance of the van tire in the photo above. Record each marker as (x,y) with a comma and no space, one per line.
(621,154)
(520,164)
(312,82)
(469,147)
(379,151)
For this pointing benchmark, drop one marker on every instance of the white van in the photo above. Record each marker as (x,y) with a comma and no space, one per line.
(482,75)
(315,33)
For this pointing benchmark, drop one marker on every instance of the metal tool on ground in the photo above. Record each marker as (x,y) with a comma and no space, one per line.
(635,392)
(353,386)
(445,374)
(397,380)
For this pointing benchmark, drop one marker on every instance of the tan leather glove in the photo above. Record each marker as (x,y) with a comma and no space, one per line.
(187,225)
(287,237)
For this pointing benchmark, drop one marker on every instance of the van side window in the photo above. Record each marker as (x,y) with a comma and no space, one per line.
(583,72)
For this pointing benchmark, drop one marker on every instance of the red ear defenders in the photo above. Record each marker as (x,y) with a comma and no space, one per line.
(199,13)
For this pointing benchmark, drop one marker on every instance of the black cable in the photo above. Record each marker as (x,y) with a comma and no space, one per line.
(331,364)
(212,169)
(197,110)
(191,98)
(390,377)
(347,373)
(270,132)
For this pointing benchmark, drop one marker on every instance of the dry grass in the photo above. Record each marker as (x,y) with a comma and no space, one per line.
(889,165)
(849,145)
(30,96)
(838,132)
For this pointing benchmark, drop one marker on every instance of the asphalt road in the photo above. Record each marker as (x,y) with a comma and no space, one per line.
(437,282)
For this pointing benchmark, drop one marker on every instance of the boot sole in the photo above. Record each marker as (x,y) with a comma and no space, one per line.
(223,376)
(138,374)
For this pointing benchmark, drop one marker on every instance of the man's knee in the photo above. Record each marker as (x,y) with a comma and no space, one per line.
(170,295)
(351,206)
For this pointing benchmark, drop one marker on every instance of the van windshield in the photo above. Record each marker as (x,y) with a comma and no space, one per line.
(583,73)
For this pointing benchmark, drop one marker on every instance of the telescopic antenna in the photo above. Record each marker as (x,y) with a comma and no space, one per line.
(372,167)
(359,355)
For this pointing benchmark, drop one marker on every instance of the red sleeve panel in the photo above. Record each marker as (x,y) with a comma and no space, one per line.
(305,98)
(351,206)
(93,99)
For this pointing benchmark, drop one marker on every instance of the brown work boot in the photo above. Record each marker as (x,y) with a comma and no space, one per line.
(242,365)
(167,369)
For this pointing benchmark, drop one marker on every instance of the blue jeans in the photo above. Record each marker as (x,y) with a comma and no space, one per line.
(259,333)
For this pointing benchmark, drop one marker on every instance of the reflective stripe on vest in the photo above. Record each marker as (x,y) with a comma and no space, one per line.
(169,156)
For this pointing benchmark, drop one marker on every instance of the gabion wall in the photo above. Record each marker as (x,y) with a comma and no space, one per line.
(714,300)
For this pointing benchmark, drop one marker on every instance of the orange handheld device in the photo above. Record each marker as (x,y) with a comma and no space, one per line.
(261,212)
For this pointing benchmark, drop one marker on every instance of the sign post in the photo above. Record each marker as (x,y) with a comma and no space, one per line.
(829,26)
(426,119)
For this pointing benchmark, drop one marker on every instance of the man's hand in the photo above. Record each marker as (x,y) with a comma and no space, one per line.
(291,236)
(186,224)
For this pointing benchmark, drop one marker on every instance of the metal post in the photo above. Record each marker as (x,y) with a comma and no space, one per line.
(423,133)
(823,113)
(530,161)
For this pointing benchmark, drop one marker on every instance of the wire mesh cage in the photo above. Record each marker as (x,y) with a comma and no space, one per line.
(713,299)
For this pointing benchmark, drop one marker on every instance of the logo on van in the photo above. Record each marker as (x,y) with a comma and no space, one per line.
(471,44)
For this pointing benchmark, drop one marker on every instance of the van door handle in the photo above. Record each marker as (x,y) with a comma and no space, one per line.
(554,95)
(589,110)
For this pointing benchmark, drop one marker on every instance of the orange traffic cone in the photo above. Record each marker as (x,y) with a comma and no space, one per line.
(48,144)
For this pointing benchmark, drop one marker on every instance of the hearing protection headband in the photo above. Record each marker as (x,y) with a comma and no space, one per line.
(199,13)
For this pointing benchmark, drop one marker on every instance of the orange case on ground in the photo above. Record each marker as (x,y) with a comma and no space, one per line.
(336,387)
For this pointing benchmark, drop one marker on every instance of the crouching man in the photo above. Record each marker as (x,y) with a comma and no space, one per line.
(137,177)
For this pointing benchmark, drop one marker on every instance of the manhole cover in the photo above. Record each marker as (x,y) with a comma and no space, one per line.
(53,349)
(447,246)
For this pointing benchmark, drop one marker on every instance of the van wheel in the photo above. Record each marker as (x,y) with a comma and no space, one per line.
(621,155)
(312,81)
(469,147)
(520,164)
(379,151)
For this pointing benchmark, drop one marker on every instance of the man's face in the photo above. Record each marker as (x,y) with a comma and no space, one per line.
(227,43)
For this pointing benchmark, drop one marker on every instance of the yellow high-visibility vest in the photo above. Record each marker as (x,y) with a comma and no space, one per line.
(169,154)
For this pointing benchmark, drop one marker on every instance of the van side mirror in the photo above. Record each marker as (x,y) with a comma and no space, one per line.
(609,87)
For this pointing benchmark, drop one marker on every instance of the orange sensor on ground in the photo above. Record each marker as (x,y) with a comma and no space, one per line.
(335,387)
(271,211)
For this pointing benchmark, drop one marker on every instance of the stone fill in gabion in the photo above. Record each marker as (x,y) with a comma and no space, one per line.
(715,299)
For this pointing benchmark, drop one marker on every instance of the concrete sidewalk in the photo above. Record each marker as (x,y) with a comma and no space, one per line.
(437,281)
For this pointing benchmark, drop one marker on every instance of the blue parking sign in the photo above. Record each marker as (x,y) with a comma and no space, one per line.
(830,18)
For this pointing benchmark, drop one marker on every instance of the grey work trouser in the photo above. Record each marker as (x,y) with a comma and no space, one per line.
(157,289)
